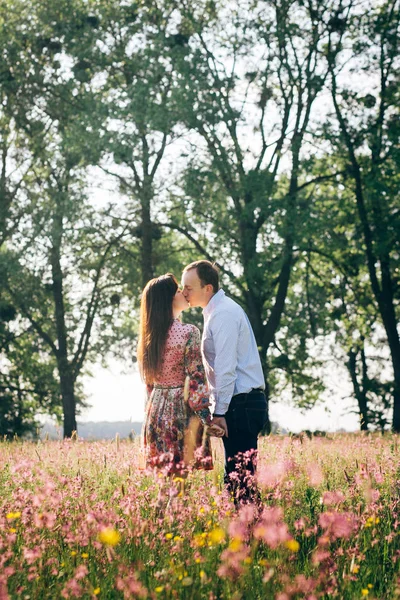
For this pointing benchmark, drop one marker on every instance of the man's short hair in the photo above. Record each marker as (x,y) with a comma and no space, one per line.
(207,272)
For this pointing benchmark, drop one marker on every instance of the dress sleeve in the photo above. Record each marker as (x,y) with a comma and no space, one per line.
(198,400)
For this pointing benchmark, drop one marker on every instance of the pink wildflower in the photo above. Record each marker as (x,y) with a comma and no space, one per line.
(269,476)
(44,520)
(81,572)
(271,528)
(129,584)
(3,591)
(301,585)
(329,498)
(337,525)
(72,589)
(300,524)
(232,565)
(320,556)
(31,554)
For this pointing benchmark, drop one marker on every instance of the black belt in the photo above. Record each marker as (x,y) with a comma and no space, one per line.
(252,391)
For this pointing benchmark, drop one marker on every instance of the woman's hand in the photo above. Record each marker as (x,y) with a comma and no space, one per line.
(220,422)
(215,430)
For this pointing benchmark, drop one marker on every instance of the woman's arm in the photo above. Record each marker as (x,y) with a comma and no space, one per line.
(198,397)
(148,391)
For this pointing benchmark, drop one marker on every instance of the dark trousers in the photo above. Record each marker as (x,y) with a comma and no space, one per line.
(246,417)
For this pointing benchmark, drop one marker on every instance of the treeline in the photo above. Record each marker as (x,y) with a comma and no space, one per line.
(96,430)
(137,136)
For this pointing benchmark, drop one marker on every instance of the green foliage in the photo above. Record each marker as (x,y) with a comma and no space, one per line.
(206,122)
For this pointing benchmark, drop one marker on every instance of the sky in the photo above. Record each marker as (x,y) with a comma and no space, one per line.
(115,395)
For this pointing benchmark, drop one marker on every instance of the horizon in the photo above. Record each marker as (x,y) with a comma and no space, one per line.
(114,395)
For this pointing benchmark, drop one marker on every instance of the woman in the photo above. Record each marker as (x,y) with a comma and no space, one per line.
(169,353)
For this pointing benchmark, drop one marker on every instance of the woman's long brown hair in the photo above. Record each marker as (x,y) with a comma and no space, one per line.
(156,318)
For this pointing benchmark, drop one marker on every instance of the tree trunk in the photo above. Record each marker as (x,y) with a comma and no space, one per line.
(395,354)
(147,266)
(359,391)
(67,382)
(264,364)
(19,419)
(384,296)
(67,386)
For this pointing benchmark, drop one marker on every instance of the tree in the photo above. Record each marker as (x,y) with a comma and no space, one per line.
(19,81)
(251,78)
(368,130)
(61,282)
(141,114)
(28,383)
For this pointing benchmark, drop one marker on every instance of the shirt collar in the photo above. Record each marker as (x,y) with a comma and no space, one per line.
(214,300)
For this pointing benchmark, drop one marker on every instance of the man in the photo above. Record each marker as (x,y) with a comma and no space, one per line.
(234,374)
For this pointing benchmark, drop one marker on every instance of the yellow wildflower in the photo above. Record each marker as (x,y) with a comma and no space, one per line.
(13,515)
(262,562)
(178,538)
(109,536)
(85,555)
(293,545)
(236,544)
(370,586)
(217,535)
(372,521)
(73,553)
(199,540)
(12,530)
(159,589)
(169,536)
(355,569)
(96,591)
(248,560)
(364,592)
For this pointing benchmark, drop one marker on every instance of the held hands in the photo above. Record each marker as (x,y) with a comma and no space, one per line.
(218,427)
(215,430)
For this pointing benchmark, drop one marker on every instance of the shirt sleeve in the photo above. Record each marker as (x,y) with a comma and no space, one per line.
(198,400)
(225,334)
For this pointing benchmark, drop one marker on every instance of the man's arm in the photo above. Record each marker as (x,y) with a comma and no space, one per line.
(224,329)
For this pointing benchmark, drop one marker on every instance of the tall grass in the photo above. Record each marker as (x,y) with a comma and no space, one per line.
(83,520)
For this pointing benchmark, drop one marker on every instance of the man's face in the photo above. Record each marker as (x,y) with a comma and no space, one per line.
(192,290)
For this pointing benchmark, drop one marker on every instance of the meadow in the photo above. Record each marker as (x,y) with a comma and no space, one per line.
(83,520)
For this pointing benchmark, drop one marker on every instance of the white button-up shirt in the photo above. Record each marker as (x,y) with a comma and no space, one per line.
(230,355)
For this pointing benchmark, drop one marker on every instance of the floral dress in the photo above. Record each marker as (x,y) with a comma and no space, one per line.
(173,430)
